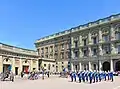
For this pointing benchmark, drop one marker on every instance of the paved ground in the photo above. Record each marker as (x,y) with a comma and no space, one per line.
(57,83)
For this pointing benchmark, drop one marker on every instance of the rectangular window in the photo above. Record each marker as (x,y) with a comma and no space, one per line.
(107,49)
(106,38)
(76,54)
(76,44)
(94,51)
(62,46)
(85,42)
(117,35)
(94,40)
(42,50)
(85,52)
(46,49)
(118,49)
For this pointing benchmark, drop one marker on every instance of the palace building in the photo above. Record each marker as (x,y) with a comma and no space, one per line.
(92,46)
(18,58)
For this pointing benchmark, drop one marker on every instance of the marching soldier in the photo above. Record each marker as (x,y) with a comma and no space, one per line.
(74,76)
(111,76)
(90,76)
(83,76)
(86,75)
(104,74)
(93,75)
(80,76)
(71,76)
(96,76)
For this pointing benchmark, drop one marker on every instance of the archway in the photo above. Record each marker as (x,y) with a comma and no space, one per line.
(117,66)
(106,66)
(94,67)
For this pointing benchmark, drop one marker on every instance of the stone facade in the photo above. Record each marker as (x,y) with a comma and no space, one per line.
(93,46)
(18,58)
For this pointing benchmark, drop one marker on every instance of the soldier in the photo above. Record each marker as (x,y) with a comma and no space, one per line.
(86,75)
(83,76)
(108,74)
(74,76)
(111,76)
(105,74)
(71,76)
(80,76)
(96,76)
(90,76)
(99,75)
(94,73)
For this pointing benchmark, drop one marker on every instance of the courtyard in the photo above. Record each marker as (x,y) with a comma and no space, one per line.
(54,82)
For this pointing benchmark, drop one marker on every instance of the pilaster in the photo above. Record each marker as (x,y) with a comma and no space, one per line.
(111,65)
(80,66)
(20,66)
(100,65)
(89,38)
(112,33)
(100,36)
(113,49)
(13,65)
(1,64)
(90,66)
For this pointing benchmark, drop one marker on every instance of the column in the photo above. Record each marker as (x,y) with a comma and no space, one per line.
(1,64)
(80,53)
(73,55)
(112,33)
(72,67)
(100,36)
(20,66)
(89,51)
(13,65)
(111,65)
(100,65)
(80,66)
(37,65)
(72,42)
(100,50)
(113,49)
(80,40)
(89,38)
(31,65)
(90,66)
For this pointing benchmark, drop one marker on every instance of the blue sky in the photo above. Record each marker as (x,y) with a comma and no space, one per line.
(22,22)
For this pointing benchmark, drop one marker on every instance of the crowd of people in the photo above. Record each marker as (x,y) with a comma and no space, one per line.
(91,76)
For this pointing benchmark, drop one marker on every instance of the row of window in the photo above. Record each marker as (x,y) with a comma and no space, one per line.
(95,40)
(95,51)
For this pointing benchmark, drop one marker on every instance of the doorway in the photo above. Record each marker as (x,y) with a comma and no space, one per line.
(5,67)
(117,66)
(16,70)
(106,66)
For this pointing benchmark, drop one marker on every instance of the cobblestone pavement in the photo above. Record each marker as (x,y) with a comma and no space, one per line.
(57,83)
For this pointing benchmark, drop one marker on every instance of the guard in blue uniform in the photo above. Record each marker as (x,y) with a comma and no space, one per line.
(86,75)
(83,76)
(90,76)
(96,76)
(111,76)
(94,73)
(108,74)
(71,76)
(80,76)
(105,74)
(99,75)
(74,76)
